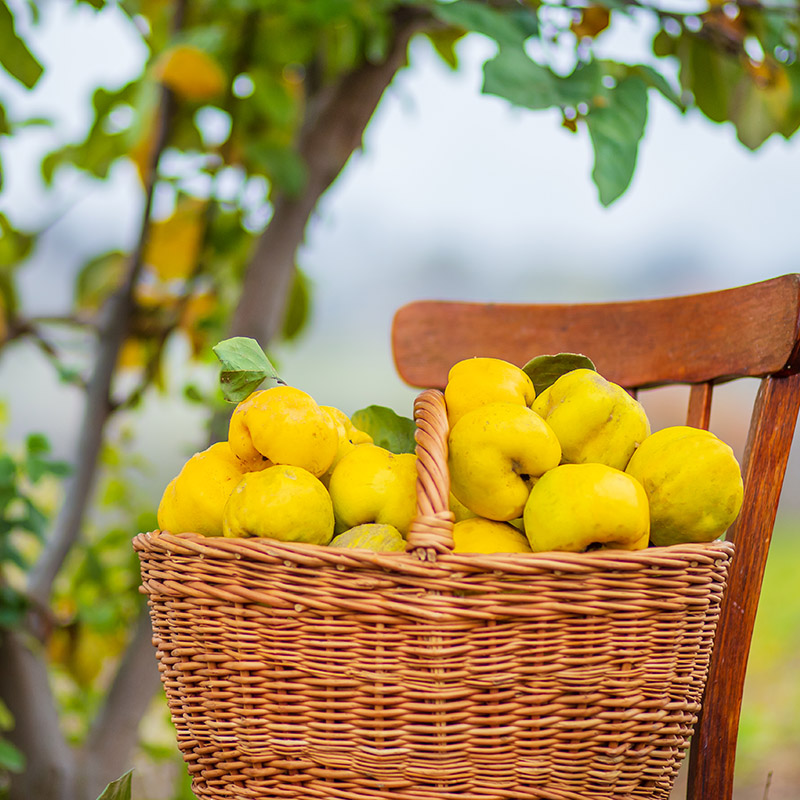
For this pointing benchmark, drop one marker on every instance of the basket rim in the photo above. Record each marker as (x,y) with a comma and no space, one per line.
(189,545)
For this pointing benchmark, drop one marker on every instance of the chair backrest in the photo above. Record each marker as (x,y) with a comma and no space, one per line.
(700,340)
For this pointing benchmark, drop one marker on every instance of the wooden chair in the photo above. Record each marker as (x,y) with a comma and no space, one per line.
(700,340)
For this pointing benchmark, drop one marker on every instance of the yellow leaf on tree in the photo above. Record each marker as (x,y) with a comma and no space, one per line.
(198,307)
(140,154)
(132,355)
(154,296)
(197,310)
(593,20)
(173,244)
(190,72)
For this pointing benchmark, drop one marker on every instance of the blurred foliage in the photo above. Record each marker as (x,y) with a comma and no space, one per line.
(28,491)
(244,79)
(28,488)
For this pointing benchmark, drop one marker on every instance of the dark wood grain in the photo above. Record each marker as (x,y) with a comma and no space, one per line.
(749,330)
(701,340)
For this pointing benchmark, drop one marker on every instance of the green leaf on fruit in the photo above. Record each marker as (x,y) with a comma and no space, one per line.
(120,789)
(245,367)
(544,371)
(386,428)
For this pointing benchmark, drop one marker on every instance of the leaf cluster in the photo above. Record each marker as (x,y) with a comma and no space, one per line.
(23,518)
(736,62)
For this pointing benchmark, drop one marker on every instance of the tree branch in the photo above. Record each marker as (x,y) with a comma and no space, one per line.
(50,771)
(326,143)
(115,730)
(25,689)
(114,328)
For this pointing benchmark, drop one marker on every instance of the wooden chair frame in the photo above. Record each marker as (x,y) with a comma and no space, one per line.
(700,340)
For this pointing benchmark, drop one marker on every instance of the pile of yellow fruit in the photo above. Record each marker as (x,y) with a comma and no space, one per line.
(573,467)
(295,471)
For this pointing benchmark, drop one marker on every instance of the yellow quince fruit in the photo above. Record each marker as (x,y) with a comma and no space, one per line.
(280,502)
(371,536)
(475,382)
(481,535)
(576,507)
(496,452)
(349,438)
(283,425)
(195,498)
(693,482)
(371,484)
(460,511)
(595,420)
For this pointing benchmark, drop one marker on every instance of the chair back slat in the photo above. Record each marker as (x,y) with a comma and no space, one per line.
(750,330)
(700,340)
(698,414)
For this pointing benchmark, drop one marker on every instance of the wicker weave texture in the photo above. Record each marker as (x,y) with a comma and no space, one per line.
(296,671)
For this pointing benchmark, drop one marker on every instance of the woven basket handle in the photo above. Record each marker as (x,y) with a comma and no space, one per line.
(431,532)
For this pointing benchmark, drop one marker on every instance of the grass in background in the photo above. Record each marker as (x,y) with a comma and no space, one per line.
(768,756)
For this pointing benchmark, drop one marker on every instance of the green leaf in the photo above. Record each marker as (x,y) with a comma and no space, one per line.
(664,45)
(386,428)
(710,75)
(37,462)
(615,130)
(11,758)
(444,43)
(544,371)
(656,80)
(99,278)
(120,789)
(760,108)
(511,74)
(518,79)
(284,167)
(15,56)
(8,481)
(15,246)
(245,367)
(298,306)
(6,717)
(505,27)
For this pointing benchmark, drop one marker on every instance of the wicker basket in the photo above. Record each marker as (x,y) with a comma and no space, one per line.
(298,671)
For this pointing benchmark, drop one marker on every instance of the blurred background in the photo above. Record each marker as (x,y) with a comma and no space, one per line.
(456,193)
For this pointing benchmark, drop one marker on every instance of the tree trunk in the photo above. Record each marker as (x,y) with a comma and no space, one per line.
(25,689)
(333,130)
